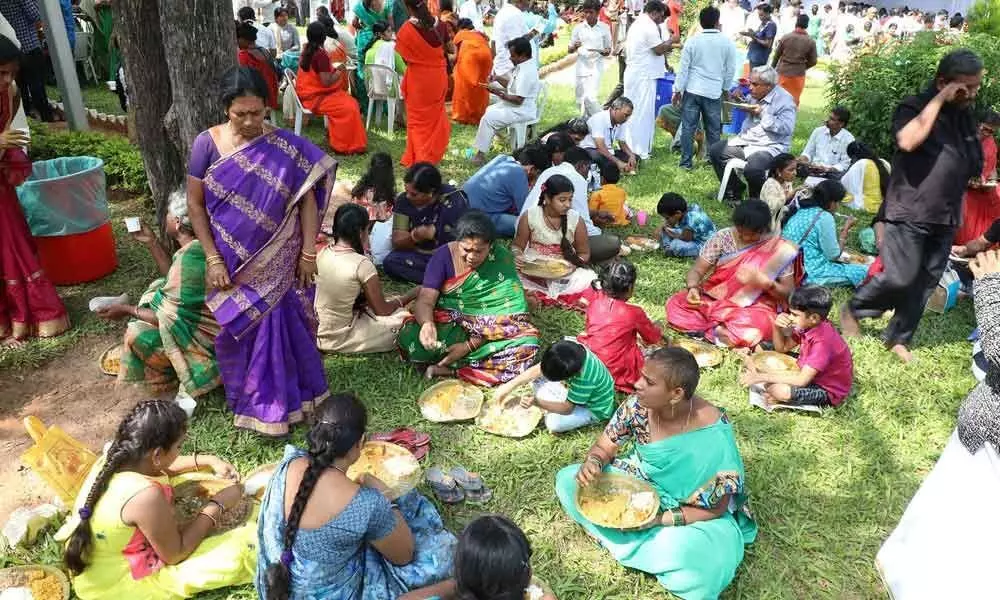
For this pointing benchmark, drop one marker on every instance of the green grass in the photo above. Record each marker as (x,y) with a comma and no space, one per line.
(826,490)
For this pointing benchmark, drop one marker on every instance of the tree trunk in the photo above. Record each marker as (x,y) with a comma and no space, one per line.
(174,52)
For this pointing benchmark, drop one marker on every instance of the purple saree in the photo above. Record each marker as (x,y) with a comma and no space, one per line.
(268,360)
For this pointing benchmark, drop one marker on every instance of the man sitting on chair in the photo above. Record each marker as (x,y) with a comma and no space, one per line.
(516,104)
(766,132)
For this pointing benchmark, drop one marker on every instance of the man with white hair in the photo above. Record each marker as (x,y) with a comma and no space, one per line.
(644,64)
(767,132)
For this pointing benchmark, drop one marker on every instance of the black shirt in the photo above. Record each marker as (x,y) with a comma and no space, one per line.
(927,185)
(992,234)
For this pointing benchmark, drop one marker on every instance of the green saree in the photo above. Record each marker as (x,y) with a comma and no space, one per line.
(487,303)
(182,348)
(696,468)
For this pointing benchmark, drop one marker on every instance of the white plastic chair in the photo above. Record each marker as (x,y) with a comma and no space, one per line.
(518,132)
(83,51)
(299,109)
(382,84)
(733,164)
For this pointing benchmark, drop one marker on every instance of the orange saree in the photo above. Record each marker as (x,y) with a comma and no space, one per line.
(474,64)
(425,86)
(345,130)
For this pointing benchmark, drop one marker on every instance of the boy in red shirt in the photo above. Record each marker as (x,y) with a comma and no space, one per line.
(826,368)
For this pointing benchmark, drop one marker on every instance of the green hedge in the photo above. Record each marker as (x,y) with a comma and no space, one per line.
(871,84)
(123,164)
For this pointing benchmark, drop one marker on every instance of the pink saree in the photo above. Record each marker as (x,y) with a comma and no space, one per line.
(744,312)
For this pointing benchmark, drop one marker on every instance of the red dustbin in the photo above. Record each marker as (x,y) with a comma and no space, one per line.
(66,206)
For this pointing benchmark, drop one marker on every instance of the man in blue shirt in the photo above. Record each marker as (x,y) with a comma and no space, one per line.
(501,186)
(707,69)
(761,41)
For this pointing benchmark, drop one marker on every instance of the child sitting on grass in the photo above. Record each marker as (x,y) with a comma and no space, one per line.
(826,368)
(685,228)
(608,203)
(589,395)
(613,323)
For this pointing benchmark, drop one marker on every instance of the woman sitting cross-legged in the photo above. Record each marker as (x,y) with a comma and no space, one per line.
(322,87)
(471,313)
(737,283)
(552,228)
(322,535)
(423,220)
(124,540)
(686,448)
(811,226)
(171,337)
(354,315)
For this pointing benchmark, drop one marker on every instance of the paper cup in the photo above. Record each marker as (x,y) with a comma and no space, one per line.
(187,403)
(641,217)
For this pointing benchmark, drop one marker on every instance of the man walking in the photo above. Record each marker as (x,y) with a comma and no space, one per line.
(795,54)
(508,25)
(644,64)
(24,17)
(591,40)
(706,71)
(939,152)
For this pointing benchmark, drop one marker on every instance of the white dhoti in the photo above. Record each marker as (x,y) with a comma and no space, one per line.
(939,553)
(639,129)
(497,116)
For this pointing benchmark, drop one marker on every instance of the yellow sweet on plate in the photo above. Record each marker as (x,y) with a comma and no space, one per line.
(774,362)
(393,465)
(509,418)
(706,355)
(451,400)
(547,267)
(618,501)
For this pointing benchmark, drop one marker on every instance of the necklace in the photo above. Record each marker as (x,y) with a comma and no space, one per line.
(548,221)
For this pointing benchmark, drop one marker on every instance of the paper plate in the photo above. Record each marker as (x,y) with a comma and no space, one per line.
(706,354)
(192,495)
(856,259)
(774,362)
(255,482)
(451,400)
(641,243)
(547,267)
(510,419)
(393,465)
(50,583)
(110,361)
(618,501)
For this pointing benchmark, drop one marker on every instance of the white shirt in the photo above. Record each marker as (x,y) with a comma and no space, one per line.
(642,37)
(579,194)
(265,38)
(707,67)
(827,150)
(733,20)
(7,30)
(524,83)
(509,24)
(267,8)
(601,127)
(470,10)
(593,40)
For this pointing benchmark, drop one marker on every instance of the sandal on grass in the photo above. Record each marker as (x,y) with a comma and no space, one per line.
(445,488)
(472,484)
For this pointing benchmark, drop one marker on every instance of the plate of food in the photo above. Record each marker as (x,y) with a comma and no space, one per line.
(856,259)
(509,418)
(770,361)
(706,354)
(34,582)
(546,267)
(111,360)
(641,243)
(191,495)
(393,465)
(451,400)
(255,482)
(618,501)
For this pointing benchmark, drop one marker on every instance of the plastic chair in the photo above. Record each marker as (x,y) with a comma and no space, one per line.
(83,52)
(733,164)
(383,85)
(518,132)
(299,109)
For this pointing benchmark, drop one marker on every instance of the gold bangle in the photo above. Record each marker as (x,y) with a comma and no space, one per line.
(215,523)
(309,254)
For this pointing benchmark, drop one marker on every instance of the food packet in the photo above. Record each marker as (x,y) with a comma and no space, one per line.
(61,461)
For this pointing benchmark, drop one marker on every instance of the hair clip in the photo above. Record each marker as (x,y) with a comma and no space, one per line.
(286,558)
(84,513)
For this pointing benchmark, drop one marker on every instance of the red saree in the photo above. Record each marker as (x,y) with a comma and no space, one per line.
(472,67)
(982,205)
(29,304)
(744,312)
(425,87)
(254,59)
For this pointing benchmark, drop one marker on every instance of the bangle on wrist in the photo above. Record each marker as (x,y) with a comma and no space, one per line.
(215,523)
(217,503)
(597,460)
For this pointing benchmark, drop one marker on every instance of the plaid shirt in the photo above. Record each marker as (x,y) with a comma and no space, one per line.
(22,16)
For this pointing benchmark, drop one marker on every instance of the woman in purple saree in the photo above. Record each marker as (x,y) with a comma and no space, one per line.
(256,197)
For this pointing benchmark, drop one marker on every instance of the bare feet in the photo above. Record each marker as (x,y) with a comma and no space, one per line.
(849,326)
(436,371)
(902,352)
(13,342)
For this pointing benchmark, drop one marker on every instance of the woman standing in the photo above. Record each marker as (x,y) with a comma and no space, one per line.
(811,227)
(424,45)
(256,196)
(473,66)
(29,304)
(366,14)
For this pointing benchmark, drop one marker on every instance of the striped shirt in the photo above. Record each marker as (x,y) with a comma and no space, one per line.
(593,387)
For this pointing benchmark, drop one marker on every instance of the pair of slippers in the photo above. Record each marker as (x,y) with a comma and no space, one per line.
(458,485)
(419,444)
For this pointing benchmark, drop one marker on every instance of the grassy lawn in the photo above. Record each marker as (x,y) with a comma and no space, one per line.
(826,490)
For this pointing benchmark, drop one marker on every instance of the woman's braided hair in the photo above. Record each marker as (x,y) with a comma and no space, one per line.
(150,425)
(340,425)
